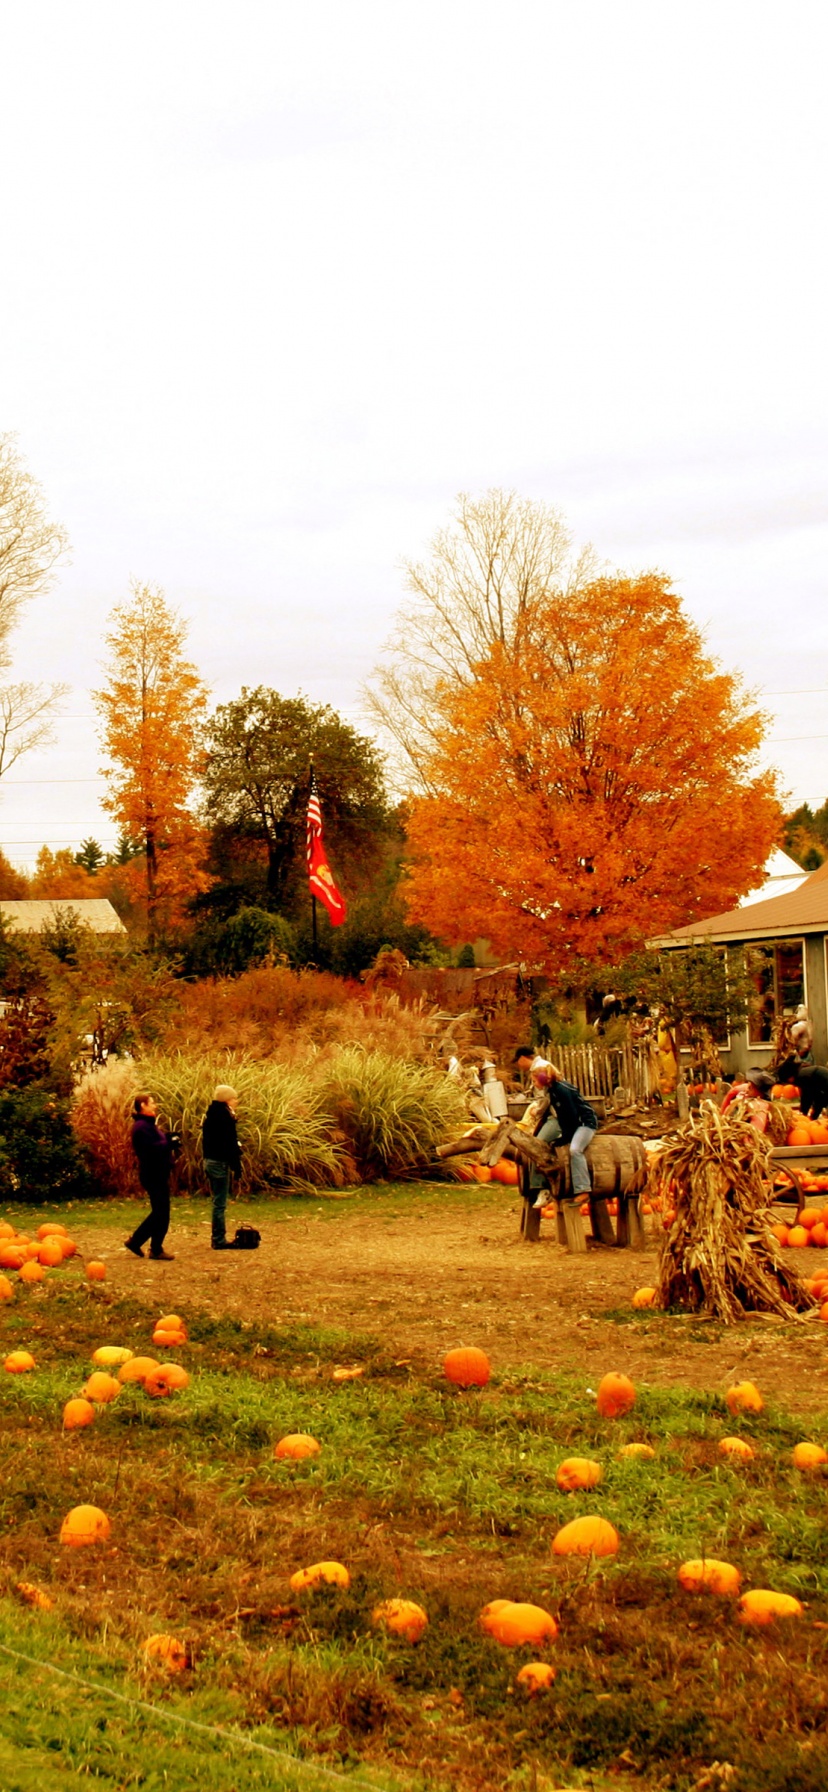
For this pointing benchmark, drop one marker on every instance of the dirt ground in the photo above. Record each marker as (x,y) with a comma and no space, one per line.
(426,1277)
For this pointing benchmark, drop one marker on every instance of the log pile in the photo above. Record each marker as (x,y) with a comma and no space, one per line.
(719,1255)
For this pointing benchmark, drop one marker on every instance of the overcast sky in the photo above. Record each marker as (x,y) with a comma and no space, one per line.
(278,281)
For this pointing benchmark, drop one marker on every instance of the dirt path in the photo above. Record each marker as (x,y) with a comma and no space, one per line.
(431,1277)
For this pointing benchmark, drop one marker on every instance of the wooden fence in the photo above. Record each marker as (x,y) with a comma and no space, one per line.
(600,1069)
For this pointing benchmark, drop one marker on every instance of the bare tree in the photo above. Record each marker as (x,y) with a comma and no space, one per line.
(481,585)
(31,546)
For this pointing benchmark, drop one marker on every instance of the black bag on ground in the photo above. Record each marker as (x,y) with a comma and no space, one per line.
(246,1239)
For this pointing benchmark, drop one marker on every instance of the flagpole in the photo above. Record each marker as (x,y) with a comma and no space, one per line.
(313,918)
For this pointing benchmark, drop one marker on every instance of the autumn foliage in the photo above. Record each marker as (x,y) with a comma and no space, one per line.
(152,710)
(594,784)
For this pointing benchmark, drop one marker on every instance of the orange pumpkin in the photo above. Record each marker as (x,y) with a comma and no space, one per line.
(167,1651)
(85,1525)
(111,1356)
(644,1297)
(138,1368)
(50,1253)
(32,1271)
(34,1596)
(744,1396)
(736,1446)
(578,1472)
(331,1574)
(807,1456)
(101,1388)
(709,1576)
(77,1413)
(810,1216)
(535,1677)
(6,1231)
(616,1395)
(513,1624)
(760,1606)
(586,1537)
(170,1322)
(482,1173)
(68,1248)
(168,1340)
(818,1235)
(172,1374)
(403,1617)
(780,1232)
(19,1363)
(12,1256)
(467,1367)
(6,1289)
(96,1272)
(50,1229)
(296,1447)
(797,1237)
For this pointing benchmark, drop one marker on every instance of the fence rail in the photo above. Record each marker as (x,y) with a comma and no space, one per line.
(601,1069)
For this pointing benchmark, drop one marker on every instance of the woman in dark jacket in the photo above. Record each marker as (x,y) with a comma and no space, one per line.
(222,1157)
(153,1149)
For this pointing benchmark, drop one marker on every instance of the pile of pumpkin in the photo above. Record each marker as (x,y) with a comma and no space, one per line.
(115,1367)
(506,1171)
(33,1258)
(810,1228)
(807,1132)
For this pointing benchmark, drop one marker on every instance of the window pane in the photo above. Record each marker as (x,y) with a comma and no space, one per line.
(790,979)
(761,965)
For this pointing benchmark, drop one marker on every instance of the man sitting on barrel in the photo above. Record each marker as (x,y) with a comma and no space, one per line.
(576,1121)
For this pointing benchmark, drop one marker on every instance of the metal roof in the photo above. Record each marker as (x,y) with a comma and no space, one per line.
(804,910)
(94,912)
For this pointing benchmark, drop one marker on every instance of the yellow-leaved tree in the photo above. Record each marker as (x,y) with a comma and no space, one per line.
(153,710)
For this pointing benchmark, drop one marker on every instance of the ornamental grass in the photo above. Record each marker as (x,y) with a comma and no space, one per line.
(392,1112)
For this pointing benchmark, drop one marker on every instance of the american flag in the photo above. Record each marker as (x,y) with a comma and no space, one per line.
(319,871)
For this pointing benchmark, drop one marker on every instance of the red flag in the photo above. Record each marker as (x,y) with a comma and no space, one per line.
(319,871)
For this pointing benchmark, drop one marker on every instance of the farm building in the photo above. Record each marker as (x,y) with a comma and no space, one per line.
(31,917)
(785,938)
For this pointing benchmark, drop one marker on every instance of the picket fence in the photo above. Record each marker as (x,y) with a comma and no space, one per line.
(601,1069)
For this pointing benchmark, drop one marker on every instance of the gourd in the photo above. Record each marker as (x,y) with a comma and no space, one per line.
(807,1456)
(111,1356)
(536,1676)
(19,1362)
(296,1447)
(513,1624)
(467,1367)
(588,1536)
(736,1446)
(644,1297)
(616,1395)
(101,1388)
(50,1253)
(171,1375)
(51,1229)
(85,1525)
(96,1272)
(167,1651)
(330,1574)
(577,1472)
(709,1576)
(32,1271)
(644,1451)
(77,1413)
(744,1396)
(401,1616)
(138,1368)
(6,1289)
(761,1606)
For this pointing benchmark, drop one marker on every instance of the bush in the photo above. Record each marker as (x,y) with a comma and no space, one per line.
(101,1117)
(285,1129)
(39,1156)
(230,947)
(393,1113)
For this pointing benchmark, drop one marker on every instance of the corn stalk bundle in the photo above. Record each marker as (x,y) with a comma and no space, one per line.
(719,1255)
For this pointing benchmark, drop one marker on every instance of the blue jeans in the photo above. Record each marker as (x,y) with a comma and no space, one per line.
(218,1176)
(582,1136)
(550,1132)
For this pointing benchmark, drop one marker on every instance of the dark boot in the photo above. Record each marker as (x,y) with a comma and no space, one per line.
(219,1240)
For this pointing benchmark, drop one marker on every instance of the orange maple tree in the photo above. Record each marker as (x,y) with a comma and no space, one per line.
(593,784)
(153,710)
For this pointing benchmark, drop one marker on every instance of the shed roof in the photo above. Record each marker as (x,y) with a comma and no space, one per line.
(804,910)
(94,912)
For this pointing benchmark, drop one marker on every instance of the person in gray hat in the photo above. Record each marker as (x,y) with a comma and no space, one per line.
(222,1157)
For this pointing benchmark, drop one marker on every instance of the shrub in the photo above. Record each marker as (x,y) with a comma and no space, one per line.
(230,947)
(285,1128)
(39,1156)
(392,1112)
(101,1121)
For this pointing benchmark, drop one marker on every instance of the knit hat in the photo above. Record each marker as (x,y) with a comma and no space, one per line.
(223,1092)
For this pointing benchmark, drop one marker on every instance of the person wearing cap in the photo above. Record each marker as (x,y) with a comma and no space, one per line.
(222,1157)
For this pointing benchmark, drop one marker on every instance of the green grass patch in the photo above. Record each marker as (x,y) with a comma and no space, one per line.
(446,1497)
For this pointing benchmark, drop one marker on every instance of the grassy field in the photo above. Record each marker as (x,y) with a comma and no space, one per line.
(449,1498)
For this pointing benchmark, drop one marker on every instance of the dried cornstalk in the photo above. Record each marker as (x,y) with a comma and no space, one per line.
(719,1255)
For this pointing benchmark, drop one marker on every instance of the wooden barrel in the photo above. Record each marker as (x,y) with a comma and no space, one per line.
(617,1164)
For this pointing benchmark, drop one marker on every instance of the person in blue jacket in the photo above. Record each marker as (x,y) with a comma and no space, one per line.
(578,1122)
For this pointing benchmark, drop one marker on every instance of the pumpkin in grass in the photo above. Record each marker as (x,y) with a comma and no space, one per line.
(467,1367)
(12,1256)
(172,1374)
(403,1617)
(616,1395)
(296,1447)
(19,1362)
(168,1340)
(166,1651)
(6,1231)
(644,1451)
(760,1606)
(68,1248)
(95,1271)
(514,1624)
(101,1388)
(50,1253)
(578,1472)
(111,1356)
(535,1677)
(706,1575)
(77,1414)
(320,1574)
(85,1525)
(32,1252)
(32,1271)
(34,1596)
(170,1322)
(6,1289)
(807,1456)
(744,1396)
(51,1228)
(138,1368)
(590,1536)
(736,1446)
(644,1297)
